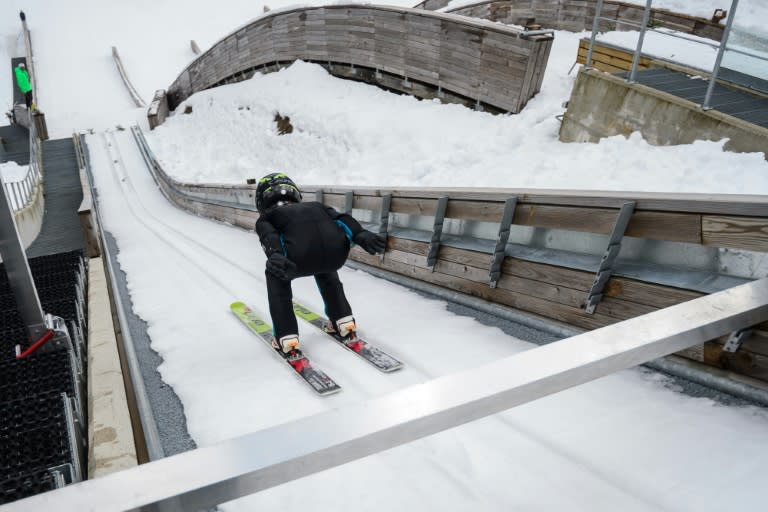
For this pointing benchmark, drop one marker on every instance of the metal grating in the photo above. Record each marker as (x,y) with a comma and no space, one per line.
(61,230)
(741,104)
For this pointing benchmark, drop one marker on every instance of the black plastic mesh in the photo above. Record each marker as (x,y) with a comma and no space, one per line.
(34,450)
(33,430)
(36,374)
(24,486)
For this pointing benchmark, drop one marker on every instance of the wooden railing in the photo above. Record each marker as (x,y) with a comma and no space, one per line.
(578,15)
(673,247)
(427,54)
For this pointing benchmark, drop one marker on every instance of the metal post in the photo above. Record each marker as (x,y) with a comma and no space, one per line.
(19,273)
(437,232)
(639,49)
(605,269)
(720,53)
(595,24)
(386,206)
(349,199)
(501,242)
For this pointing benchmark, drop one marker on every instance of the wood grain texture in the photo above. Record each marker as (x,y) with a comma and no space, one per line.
(438,49)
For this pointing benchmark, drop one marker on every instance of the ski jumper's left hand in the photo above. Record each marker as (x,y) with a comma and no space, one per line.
(370,242)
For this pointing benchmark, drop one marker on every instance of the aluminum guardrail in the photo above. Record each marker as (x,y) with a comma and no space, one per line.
(643,27)
(206,477)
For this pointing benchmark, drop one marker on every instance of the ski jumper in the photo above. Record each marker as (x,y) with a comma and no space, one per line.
(317,239)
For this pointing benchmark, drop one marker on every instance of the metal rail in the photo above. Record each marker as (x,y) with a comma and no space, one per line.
(209,476)
(131,89)
(643,27)
(146,416)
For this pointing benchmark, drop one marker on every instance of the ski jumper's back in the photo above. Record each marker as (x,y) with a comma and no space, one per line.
(316,238)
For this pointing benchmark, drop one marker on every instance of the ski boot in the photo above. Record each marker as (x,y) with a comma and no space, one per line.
(345,327)
(286,344)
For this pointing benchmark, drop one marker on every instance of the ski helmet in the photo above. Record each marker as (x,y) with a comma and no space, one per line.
(274,189)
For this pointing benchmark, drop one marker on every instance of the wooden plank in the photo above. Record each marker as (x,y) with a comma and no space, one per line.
(652,225)
(621,288)
(742,361)
(414,206)
(404,245)
(610,51)
(553,274)
(678,227)
(572,316)
(735,232)
(647,293)
(611,64)
(474,266)
(475,210)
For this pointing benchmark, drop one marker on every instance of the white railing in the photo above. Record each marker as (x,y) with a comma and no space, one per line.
(22,192)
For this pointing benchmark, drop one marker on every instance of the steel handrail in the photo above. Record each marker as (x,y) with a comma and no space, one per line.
(205,477)
(722,47)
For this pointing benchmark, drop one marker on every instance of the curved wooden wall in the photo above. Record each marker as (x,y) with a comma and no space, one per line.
(578,15)
(425,53)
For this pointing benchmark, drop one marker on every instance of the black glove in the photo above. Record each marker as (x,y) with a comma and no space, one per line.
(370,242)
(281,267)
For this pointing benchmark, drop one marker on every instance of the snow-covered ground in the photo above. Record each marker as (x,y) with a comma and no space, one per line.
(625,442)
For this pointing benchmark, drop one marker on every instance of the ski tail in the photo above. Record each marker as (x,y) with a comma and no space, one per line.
(357,345)
(296,359)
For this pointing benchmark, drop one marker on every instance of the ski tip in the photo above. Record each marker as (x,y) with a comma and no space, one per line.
(237,305)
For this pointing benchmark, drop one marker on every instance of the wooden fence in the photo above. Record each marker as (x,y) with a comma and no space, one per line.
(530,273)
(424,53)
(578,15)
(555,290)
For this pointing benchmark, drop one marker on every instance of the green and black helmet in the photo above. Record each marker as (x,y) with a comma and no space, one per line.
(274,189)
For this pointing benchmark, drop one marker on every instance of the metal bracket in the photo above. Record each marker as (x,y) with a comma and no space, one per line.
(76,442)
(62,474)
(349,199)
(604,271)
(736,339)
(437,231)
(386,205)
(501,242)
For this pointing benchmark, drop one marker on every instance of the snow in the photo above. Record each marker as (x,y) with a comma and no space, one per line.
(11,171)
(350,133)
(629,441)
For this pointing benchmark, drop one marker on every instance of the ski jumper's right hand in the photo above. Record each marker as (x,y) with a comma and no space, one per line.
(281,267)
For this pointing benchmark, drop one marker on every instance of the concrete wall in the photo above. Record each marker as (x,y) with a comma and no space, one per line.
(603,105)
(110,432)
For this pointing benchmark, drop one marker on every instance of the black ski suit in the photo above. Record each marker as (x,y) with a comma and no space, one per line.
(317,240)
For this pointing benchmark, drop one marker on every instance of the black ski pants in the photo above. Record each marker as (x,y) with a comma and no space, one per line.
(280,297)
